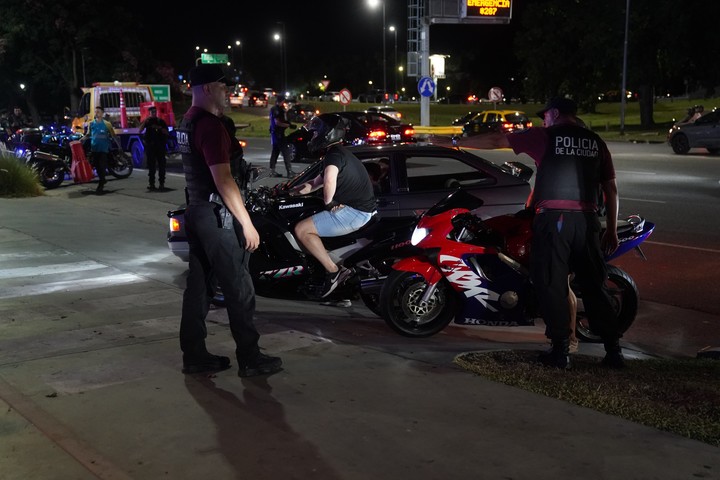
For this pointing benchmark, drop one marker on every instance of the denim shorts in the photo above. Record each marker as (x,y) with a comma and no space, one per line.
(340,222)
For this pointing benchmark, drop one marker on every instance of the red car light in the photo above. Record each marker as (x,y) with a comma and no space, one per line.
(507,126)
(376,135)
(243,143)
(409,132)
(174,225)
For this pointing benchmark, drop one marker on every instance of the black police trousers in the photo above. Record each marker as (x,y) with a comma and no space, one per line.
(217,257)
(565,242)
(279,145)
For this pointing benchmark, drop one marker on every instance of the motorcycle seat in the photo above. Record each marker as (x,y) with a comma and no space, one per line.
(332,243)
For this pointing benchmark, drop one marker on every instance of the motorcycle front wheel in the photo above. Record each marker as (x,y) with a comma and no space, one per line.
(120,165)
(402,310)
(624,293)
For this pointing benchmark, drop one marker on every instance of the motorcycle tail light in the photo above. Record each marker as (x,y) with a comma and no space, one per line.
(174,225)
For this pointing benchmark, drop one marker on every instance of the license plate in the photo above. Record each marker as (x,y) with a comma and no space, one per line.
(395,137)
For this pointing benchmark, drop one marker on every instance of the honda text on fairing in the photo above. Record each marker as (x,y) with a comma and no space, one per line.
(475,272)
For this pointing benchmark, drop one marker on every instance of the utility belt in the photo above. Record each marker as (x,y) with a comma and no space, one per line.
(225,218)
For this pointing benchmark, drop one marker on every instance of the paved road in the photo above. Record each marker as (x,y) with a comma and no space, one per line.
(90,384)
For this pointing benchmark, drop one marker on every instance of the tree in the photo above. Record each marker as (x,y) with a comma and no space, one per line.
(52,46)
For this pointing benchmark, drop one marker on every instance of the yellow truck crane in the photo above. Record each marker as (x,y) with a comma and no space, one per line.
(127,104)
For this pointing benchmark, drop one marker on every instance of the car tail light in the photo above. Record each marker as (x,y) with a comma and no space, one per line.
(409,132)
(174,225)
(376,135)
(529,124)
(507,126)
(243,143)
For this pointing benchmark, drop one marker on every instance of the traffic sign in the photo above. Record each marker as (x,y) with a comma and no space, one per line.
(213,57)
(426,86)
(495,94)
(345,96)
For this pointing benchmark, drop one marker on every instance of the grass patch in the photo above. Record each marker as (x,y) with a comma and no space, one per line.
(681,396)
(17,179)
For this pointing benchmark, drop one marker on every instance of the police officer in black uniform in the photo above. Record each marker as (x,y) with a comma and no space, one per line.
(572,162)
(220,235)
(155,135)
(278,124)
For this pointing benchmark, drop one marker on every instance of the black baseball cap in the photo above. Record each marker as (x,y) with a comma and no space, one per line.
(564,105)
(207,73)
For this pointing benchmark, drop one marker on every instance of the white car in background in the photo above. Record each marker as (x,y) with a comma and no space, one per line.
(389,111)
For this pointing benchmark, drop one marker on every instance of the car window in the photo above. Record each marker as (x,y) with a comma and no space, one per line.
(442,173)
(516,118)
(491,118)
(711,117)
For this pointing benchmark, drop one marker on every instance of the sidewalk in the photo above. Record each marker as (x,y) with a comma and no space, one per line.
(90,382)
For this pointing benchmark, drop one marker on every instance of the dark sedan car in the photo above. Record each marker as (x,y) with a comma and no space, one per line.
(703,132)
(476,123)
(366,128)
(413,178)
(301,112)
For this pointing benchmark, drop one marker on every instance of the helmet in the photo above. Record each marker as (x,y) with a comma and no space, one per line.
(328,129)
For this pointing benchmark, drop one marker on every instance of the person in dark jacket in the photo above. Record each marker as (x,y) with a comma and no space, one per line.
(155,135)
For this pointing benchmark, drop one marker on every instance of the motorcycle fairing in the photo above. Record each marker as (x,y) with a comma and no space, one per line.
(492,293)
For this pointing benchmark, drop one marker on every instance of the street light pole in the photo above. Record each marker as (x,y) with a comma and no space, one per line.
(624,72)
(373,4)
(238,43)
(395,65)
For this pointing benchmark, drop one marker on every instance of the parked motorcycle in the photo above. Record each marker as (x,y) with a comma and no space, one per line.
(280,265)
(52,159)
(476,272)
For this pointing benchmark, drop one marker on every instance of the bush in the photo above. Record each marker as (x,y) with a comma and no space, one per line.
(17,179)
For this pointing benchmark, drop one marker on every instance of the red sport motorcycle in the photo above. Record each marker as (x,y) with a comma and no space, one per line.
(475,272)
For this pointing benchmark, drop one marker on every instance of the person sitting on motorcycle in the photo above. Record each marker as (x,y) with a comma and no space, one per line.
(347,193)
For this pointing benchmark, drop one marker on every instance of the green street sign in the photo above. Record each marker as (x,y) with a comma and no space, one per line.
(213,57)
(160,93)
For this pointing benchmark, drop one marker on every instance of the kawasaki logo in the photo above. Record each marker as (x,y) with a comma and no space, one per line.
(292,205)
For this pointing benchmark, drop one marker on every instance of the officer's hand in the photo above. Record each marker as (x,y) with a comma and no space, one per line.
(252,238)
(609,242)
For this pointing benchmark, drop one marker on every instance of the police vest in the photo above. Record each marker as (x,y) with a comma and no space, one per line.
(199,179)
(570,169)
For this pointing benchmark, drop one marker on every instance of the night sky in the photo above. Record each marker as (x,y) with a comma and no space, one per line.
(324,37)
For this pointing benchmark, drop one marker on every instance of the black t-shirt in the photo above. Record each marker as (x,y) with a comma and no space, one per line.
(156,132)
(277,112)
(354,188)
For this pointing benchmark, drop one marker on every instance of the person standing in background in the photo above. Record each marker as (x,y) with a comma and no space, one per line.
(155,135)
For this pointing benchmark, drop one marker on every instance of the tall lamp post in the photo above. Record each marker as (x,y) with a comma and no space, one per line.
(624,71)
(395,67)
(283,62)
(373,4)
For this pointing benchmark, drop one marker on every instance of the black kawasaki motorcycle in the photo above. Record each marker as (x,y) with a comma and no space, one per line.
(281,267)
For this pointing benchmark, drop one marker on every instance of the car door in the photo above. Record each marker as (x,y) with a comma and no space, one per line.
(705,132)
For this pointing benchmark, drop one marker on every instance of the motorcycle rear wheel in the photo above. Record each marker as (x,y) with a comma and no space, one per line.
(624,294)
(401,310)
(51,176)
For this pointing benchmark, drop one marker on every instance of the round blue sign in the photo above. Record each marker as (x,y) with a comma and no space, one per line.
(426,86)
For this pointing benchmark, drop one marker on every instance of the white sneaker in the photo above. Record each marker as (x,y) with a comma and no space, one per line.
(333,280)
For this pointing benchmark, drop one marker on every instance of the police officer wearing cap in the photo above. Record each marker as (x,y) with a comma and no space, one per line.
(155,135)
(278,124)
(220,235)
(573,164)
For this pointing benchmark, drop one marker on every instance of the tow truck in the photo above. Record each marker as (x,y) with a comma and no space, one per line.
(126,105)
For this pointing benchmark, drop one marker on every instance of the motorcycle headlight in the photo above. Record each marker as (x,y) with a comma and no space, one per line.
(418,235)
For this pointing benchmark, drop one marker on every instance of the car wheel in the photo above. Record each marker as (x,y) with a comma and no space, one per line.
(680,144)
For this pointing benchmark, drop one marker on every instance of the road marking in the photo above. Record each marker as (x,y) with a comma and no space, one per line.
(643,200)
(686,247)
(70,285)
(631,172)
(50,269)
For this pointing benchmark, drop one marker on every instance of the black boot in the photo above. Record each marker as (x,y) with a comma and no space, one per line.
(558,356)
(613,354)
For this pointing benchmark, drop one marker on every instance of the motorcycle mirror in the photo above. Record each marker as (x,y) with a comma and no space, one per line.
(517,169)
